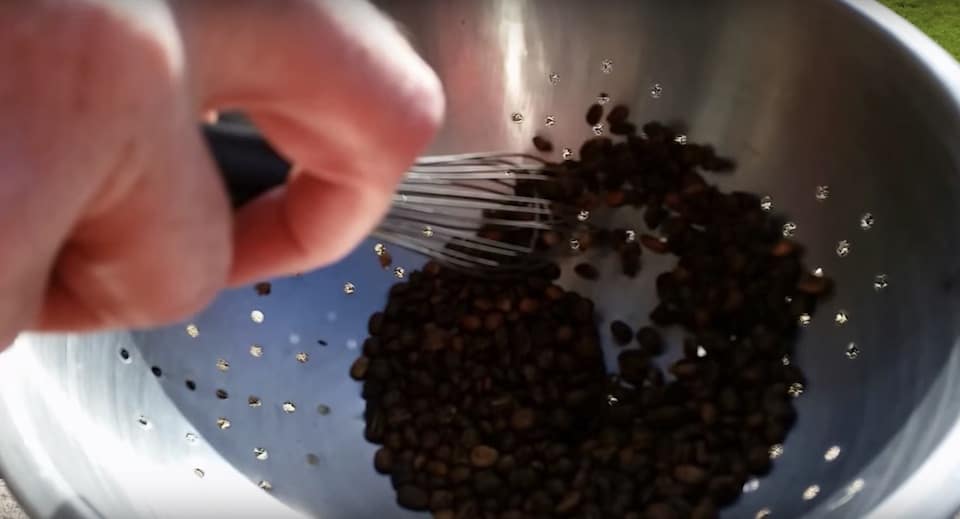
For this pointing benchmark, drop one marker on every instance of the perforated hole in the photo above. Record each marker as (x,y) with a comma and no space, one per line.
(832,453)
(313,459)
(766,203)
(191,385)
(751,485)
(254,401)
(144,422)
(288,407)
(199,473)
(776,451)
(841,318)
(265,485)
(222,365)
(260,453)
(795,389)
(192,330)
(323,410)
(843,248)
(190,437)
(256,350)
(656,91)
(157,372)
(763,513)
(349,288)
(256,316)
(811,492)
(263,288)
(223,423)
(822,193)
(853,351)
(880,282)
(302,357)
(222,394)
(125,356)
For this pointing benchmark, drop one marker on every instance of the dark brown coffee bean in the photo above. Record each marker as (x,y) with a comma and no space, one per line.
(690,474)
(633,366)
(523,418)
(705,510)
(459,474)
(383,460)
(471,323)
(651,342)
(660,511)
(358,371)
(814,285)
(568,503)
(487,483)
(622,334)
(483,456)
(657,245)
(542,144)
(528,305)
(441,500)
(594,114)
(413,498)
(618,114)
(630,260)
(587,271)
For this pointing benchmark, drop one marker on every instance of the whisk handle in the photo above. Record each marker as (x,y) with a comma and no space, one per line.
(248,164)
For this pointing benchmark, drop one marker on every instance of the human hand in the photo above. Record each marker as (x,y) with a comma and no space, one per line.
(113,211)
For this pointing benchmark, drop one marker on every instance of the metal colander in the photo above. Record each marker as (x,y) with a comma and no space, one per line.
(840,112)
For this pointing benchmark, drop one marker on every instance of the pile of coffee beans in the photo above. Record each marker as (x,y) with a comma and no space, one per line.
(490,398)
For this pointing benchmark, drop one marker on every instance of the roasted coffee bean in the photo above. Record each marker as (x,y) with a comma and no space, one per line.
(618,114)
(568,503)
(523,419)
(622,334)
(587,271)
(413,498)
(651,342)
(483,456)
(658,245)
(383,460)
(441,500)
(359,369)
(594,114)
(630,260)
(689,474)
(542,144)
(487,482)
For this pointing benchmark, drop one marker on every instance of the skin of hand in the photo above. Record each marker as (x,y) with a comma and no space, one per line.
(114,215)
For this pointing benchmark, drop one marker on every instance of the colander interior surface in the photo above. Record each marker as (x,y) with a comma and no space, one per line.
(838,111)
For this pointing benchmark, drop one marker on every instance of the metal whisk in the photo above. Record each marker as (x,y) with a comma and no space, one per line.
(463,210)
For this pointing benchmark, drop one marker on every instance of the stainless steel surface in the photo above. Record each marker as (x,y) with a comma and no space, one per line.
(836,93)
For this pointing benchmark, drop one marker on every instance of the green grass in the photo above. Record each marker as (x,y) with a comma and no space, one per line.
(940,19)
